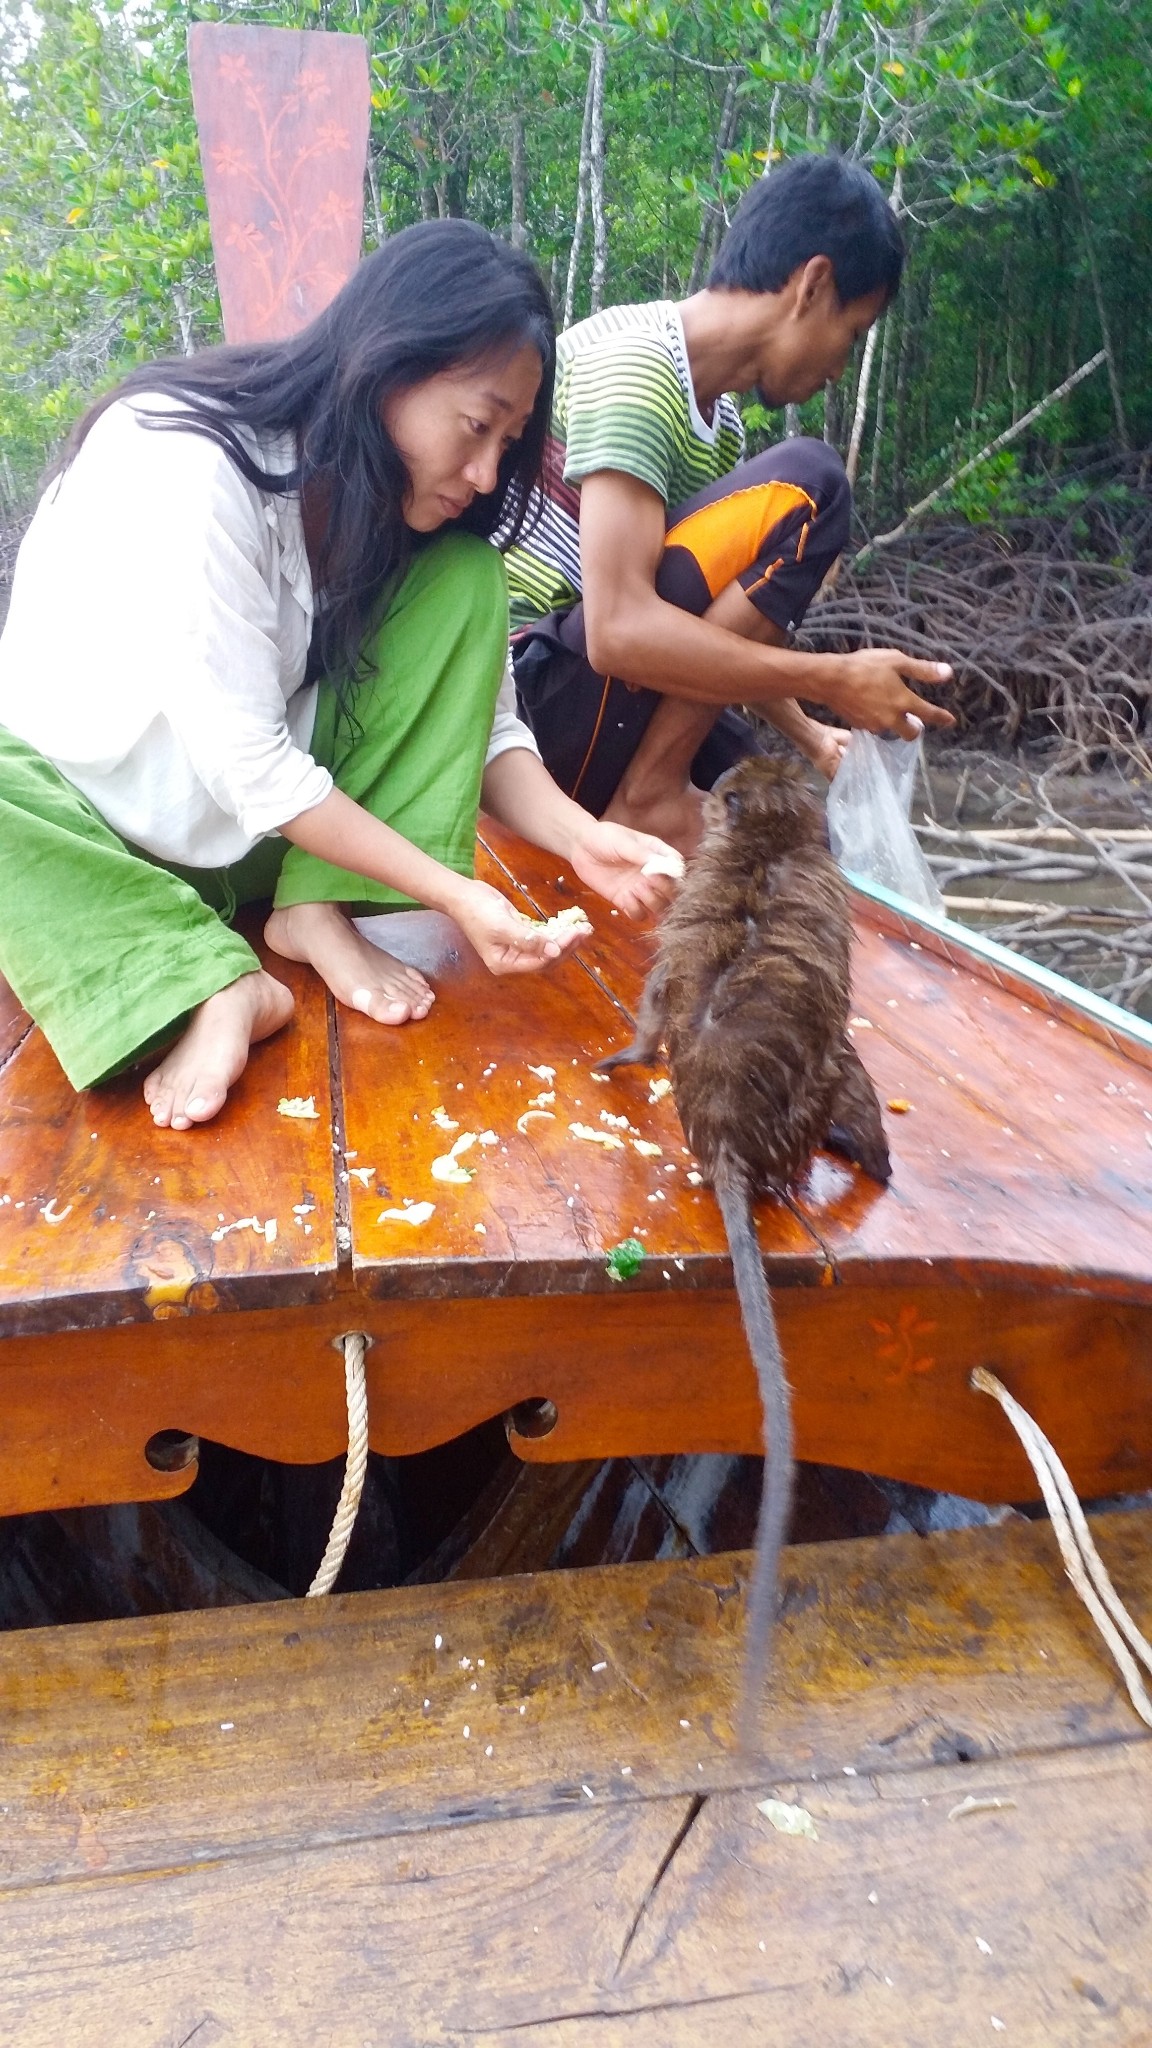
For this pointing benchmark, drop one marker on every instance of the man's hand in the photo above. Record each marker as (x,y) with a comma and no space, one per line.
(505,941)
(868,688)
(611,858)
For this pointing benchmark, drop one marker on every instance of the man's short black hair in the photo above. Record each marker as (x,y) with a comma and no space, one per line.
(812,206)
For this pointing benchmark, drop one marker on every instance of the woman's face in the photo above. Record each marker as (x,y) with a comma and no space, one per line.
(453,430)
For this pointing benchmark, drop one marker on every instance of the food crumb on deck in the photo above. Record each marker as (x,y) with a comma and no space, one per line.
(625,1770)
(303,1107)
(467,1731)
(602,1666)
(985,1947)
(437,1642)
(226,1727)
(587,1791)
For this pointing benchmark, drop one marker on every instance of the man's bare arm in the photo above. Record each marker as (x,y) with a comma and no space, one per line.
(635,635)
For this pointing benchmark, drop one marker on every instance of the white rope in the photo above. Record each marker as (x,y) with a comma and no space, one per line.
(1082,1560)
(347,1507)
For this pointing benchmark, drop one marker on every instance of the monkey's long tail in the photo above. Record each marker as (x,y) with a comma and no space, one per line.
(734,1196)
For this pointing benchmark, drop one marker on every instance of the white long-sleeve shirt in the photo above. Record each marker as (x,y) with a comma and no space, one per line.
(157,639)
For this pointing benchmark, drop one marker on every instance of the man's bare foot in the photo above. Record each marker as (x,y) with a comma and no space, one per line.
(191,1083)
(675,816)
(357,972)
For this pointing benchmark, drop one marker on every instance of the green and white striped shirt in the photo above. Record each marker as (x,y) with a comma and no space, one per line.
(624,400)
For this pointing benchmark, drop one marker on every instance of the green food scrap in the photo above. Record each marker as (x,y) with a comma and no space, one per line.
(624,1259)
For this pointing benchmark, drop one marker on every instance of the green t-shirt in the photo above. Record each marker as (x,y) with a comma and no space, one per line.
(624,401)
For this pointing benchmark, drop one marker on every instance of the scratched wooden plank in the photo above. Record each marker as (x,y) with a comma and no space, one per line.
(894,1653)
(144,1214)
(282,116)
(205,1834)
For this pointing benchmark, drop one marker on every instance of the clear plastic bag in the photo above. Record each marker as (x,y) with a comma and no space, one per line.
(869,807)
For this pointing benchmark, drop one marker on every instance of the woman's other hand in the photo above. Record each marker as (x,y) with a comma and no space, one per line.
(612,860)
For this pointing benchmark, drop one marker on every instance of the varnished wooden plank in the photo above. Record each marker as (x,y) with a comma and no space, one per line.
(282,116)
(544,1206)
(998,1172)
(15,1023)
(894,1653)
(1025,1146)
(145,1215)
(203,1830)
(881,1383)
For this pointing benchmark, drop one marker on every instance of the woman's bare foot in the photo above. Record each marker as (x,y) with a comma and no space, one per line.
(675,816)
(357,972)
(191,1083)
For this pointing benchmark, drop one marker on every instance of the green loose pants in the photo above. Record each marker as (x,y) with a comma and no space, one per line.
(109,951)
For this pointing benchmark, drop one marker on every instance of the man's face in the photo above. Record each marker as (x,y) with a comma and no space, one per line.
(811,345)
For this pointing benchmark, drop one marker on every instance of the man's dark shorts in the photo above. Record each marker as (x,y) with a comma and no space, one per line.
(775,525)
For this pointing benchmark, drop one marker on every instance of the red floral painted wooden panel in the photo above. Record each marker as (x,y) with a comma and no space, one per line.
(283,121)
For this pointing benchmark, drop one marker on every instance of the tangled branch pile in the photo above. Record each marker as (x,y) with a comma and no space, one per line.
(1041,871)
(1046,643)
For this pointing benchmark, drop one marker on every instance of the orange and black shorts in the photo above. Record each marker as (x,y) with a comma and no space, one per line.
(775,525)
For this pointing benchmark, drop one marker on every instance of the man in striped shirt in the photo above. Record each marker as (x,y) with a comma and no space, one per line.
(665,576)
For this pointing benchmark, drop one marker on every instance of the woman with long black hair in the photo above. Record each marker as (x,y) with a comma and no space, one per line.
(257,645)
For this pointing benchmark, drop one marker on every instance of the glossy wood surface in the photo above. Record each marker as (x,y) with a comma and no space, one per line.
(1015,1234)
(514,1811)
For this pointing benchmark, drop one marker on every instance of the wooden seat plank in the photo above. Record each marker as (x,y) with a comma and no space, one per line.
(300,1851)
(893,1654)
(520,1930)
(104,1219)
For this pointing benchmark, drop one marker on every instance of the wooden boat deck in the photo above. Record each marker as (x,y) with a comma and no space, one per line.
(152,1281)
(307,1823)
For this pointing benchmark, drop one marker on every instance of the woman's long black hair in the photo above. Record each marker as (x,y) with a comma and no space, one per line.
(436,297)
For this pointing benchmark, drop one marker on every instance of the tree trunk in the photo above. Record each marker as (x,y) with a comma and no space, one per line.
(374,193)
(1102,317)
(596,162)
(184,319)
(856,438)
(582,178)
(828,28)
(713,215)
(519,236)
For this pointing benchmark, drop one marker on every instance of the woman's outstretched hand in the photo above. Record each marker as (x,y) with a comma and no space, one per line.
(612,858)
(506,942)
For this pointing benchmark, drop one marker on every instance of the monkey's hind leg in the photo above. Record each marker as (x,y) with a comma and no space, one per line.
(651,1018)
(855,1127)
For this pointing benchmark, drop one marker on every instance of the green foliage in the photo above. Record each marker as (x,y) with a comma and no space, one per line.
(1013,140)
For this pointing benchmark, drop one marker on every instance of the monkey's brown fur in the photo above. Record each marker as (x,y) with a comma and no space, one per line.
(750,994)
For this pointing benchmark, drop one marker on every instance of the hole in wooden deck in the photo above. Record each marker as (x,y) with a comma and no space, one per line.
(172,1450)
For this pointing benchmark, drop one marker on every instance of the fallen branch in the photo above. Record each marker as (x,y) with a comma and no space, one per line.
(917,511)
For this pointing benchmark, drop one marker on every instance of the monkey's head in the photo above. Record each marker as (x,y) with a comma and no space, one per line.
(767,800)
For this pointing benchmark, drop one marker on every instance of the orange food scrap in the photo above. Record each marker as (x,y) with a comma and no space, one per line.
(900,1105)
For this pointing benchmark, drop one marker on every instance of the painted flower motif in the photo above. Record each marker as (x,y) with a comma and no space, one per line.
(332,137)
(231,162)
(336,211)
(313,84)
(248,238)
(234,68)
(901,1348)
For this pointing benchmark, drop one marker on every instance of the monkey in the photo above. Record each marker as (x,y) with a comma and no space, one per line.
(750,994)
